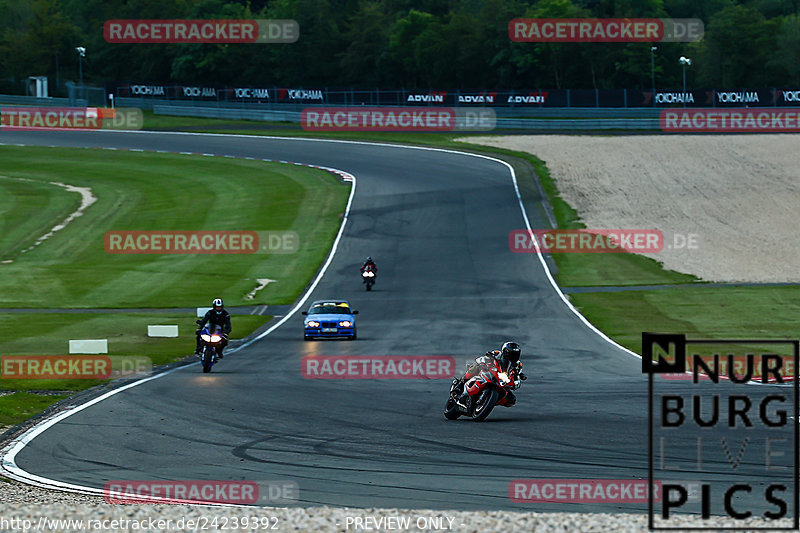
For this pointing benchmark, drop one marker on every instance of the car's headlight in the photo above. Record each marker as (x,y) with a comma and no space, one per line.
(312,324)
(206,337)
(345,323)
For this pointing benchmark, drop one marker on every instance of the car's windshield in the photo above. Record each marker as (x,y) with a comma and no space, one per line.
(329,309)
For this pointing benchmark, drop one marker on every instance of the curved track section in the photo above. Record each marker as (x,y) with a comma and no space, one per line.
(437,223)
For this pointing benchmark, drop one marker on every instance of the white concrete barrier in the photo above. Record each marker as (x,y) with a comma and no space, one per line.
(88,346)
(162,331)
(201,311)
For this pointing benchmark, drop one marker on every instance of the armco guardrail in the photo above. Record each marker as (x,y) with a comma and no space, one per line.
(33,101)
(533,124)
(510,112)
(291,112)
(529,124)
(209,96)
(539,119)
(229,113)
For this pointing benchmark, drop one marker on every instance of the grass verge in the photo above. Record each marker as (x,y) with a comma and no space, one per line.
(699,312)
(19,406)
(156,192)
(145,192)
(48,334)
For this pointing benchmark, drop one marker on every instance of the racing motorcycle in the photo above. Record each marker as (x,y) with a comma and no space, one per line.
(488,388)
(213,339)
(369,277)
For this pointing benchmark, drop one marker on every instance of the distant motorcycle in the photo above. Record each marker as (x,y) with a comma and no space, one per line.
(490,387)
(213,339)
(369,277)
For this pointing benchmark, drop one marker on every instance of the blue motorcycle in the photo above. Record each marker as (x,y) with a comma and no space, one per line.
(213,342)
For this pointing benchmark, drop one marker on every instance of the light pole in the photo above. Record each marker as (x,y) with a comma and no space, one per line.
(653,71)
(684,61)
(81,54)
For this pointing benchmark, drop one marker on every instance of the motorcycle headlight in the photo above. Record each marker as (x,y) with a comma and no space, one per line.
(215,338)
(206,337)
(345,323)
(312,324)
(503,377)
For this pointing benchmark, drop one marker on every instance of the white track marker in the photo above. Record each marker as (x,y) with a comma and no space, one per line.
(262,282)
(87,199)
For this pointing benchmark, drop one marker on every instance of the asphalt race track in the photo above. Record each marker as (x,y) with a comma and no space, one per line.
(437,224)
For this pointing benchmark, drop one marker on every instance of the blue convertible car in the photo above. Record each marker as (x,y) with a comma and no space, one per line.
(329,318)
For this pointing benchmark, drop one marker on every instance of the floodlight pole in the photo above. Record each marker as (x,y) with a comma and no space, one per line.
(653,71)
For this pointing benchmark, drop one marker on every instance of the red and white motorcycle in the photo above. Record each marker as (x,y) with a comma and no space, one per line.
(490,386)
(368,276)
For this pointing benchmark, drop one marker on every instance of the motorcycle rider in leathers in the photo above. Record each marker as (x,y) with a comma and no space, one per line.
(371,264)
(216,316)
(508,357)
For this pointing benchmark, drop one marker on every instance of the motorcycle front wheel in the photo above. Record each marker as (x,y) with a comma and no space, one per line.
(208,359)
(485,403)
(451,411)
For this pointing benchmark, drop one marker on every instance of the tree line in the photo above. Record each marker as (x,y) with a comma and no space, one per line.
(449,44)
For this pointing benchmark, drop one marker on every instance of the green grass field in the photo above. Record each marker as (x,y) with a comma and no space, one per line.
(699,312)
(156,192)
(19,406)
(49,333)
(143,192)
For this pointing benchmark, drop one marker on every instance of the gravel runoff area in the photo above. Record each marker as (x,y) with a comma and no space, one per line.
(738,194)
(28,508)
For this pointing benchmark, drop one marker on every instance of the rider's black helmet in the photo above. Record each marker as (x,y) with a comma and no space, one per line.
(511,352)
(369,259)
(217,304)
